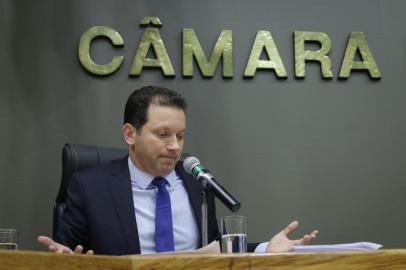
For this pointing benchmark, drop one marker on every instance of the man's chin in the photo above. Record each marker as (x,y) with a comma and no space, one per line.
(166,168)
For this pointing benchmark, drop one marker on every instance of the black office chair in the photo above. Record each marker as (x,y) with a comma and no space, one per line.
(76,157)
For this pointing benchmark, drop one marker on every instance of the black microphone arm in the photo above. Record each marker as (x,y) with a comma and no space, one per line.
(193,166)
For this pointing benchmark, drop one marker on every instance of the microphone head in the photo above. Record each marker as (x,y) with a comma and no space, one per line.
(189,163)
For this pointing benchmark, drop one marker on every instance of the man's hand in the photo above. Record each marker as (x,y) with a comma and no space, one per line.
(59,248)
(281,242)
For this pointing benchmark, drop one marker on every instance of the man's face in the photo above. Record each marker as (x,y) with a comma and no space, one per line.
(159,143)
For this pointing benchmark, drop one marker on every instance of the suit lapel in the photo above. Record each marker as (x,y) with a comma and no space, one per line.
(121,192)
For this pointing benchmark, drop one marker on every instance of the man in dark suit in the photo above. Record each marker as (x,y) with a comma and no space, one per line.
(112,209)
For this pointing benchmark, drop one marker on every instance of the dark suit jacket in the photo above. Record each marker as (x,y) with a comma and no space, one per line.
(100,215)
(100,212)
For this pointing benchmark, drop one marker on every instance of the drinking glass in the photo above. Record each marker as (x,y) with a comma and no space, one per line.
(233,234)
(8,239)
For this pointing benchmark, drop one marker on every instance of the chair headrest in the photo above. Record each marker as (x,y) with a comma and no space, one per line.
(76,157)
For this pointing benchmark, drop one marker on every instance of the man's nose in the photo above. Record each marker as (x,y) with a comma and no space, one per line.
(173,143)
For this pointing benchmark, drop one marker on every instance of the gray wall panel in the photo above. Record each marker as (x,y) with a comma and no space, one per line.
(327,152)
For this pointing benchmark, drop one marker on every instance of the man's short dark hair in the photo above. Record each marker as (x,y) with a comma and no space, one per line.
(138,102)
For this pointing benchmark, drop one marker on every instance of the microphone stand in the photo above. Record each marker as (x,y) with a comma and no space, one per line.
(204,195)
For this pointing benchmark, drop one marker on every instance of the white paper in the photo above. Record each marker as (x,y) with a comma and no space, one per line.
(360,246)
(213,247)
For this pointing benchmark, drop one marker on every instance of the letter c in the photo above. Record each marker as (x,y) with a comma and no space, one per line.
(84,50)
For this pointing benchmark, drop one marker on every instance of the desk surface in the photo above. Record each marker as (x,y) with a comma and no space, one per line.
(359,260)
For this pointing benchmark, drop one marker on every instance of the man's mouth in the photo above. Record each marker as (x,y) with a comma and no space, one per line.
(170,157)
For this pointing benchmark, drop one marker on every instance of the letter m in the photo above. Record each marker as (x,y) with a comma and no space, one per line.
(223,49)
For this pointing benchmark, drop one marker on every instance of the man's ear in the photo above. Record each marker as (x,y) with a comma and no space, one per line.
(129,133)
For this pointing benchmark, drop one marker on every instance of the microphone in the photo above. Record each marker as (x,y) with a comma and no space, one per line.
(192,166)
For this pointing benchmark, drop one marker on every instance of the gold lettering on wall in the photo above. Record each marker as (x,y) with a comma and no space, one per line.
(357,42)
(264,40)
(84,50)
(149,20)
(151,53)
(302,55)
(223,49)
(151,39)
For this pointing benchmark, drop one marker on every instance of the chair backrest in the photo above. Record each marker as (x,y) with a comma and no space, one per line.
(76,157)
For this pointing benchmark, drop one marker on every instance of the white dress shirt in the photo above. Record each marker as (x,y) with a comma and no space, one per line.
(185,229)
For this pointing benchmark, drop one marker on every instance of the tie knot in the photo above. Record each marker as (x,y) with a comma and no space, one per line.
(159,182)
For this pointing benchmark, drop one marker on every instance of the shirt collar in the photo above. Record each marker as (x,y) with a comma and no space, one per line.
(143,179)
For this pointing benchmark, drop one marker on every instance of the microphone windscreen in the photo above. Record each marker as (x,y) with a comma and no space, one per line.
(189,163)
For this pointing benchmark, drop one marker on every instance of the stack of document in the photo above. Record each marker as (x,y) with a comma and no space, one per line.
(338,247)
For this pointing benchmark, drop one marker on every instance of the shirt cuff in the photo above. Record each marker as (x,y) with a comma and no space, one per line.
(261,248)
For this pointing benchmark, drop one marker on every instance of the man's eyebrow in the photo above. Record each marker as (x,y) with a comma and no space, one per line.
(166,128)
(161,127)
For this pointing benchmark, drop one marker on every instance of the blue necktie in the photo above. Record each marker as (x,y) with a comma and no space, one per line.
(163,218)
